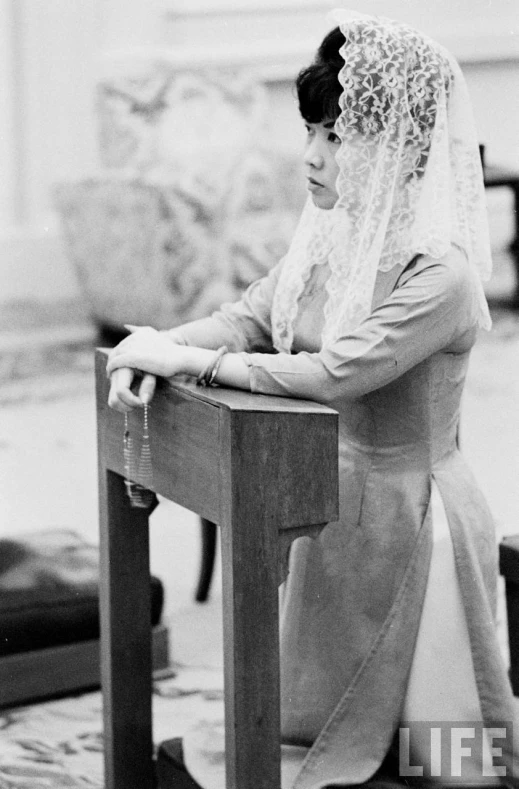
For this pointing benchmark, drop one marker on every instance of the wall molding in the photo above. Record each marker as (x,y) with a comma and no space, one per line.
(274,63)
(244,7)
(486,37)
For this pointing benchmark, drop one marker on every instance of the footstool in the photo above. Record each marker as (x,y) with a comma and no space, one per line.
(49,617)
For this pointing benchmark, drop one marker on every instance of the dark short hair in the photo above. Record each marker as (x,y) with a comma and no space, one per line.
(318,87)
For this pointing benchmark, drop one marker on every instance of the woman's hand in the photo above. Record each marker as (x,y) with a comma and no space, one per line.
(148,350)
(155,353)
(121,398)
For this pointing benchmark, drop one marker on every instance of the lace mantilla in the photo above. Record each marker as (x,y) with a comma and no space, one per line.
(410,179)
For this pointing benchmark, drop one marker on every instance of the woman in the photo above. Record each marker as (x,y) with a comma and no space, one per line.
(388,617)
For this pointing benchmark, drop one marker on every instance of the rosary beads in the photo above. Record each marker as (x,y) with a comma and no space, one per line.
(138,477)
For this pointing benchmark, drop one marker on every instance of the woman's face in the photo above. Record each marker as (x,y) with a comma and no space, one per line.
(321,168)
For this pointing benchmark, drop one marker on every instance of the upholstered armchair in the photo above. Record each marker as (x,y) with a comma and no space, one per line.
(190,204)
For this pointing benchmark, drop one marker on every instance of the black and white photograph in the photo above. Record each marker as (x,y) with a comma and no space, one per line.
(259,394)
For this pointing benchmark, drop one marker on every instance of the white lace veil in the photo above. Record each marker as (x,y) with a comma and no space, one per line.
(410,178)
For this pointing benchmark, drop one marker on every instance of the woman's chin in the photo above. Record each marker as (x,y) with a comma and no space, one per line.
(323,201)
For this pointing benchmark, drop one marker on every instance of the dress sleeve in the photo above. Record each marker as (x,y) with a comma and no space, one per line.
(433,303)
(242,326)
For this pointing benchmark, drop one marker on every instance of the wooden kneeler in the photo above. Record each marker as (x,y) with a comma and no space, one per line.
(265,470)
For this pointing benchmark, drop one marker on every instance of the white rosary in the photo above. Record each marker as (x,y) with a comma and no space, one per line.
(138,477)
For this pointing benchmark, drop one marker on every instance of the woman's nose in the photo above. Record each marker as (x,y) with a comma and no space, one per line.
(313,155)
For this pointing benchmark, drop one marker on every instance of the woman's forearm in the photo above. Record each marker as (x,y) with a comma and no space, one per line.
(154,354)
(210,332)
(233,371)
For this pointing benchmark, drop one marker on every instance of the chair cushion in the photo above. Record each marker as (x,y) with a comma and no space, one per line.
(49,591)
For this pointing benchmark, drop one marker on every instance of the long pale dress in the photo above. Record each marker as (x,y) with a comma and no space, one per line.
(357,657)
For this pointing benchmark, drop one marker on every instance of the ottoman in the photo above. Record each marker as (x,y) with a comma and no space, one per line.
(49,617)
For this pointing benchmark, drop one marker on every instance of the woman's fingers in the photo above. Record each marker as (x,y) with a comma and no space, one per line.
(132,328)
(147,388)
(120,397)
(121,361)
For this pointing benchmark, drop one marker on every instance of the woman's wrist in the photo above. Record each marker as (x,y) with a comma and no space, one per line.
(194,360)
(231,371)
(207,375)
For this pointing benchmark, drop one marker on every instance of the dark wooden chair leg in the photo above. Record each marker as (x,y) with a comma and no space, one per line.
(208,534)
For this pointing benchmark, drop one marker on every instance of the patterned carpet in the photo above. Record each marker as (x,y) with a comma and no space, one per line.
(59,743)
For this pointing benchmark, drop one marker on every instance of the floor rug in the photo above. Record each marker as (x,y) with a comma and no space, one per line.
(59,744)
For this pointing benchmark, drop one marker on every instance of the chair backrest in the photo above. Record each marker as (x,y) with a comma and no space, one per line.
(191,204)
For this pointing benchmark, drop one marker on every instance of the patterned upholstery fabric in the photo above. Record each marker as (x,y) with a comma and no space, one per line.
(190,206)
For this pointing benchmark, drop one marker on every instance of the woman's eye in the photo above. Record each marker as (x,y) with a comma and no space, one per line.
(332,137)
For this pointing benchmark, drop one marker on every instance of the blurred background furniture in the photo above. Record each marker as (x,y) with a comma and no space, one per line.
(509,568)
(509,178)
(49,617)
(191,203)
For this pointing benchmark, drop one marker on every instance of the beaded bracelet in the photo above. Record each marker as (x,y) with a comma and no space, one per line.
(209,373)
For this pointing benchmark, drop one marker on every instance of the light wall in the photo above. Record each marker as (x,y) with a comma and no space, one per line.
(53,51)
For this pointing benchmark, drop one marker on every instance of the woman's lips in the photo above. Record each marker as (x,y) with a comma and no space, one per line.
(314,186)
